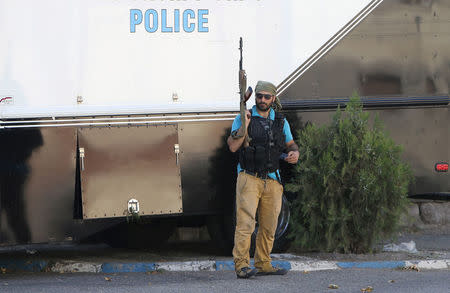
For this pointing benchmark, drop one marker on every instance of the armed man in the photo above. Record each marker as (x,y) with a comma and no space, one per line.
(267,138)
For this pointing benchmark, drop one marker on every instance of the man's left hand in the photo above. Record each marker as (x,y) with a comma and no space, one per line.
(292,157)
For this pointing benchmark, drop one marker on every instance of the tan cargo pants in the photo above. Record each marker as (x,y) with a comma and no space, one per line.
(253,193)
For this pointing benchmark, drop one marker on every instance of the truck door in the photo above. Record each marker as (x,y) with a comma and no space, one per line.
(125,168)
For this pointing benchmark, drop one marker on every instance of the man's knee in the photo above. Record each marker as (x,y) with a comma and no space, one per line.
(245,225)
(268,229)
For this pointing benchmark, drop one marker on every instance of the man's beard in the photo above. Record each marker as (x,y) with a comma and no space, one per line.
(263,106)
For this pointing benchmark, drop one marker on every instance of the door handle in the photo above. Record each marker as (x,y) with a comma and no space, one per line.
(82,158)
(177,151)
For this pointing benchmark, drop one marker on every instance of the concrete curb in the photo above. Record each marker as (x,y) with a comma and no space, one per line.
(193,266)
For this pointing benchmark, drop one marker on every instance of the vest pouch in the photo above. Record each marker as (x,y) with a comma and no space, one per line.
(260,159)
(248,159)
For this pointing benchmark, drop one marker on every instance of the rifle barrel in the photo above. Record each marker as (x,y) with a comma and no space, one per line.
(240,49)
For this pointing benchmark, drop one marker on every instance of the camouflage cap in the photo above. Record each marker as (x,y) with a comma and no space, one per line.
(265,86)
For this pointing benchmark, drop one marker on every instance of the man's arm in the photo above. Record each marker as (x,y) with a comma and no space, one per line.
(235,143)
(293,153)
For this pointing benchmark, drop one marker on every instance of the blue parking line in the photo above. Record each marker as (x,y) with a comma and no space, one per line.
(23,265)
(227,265)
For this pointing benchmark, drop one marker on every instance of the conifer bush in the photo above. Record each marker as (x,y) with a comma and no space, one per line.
(351,184)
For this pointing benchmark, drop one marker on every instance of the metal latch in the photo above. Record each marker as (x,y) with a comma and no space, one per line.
(176,150)
(133,206)
(79,100)
(82,158)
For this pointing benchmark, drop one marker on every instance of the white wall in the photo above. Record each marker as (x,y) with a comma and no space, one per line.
(53,51)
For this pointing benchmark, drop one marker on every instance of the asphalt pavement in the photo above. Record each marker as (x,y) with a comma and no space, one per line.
(353,280)
(200,267)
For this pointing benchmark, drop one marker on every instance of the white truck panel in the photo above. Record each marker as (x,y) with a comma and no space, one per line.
(58,50)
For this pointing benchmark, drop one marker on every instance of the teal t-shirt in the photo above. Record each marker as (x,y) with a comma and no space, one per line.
(286,129)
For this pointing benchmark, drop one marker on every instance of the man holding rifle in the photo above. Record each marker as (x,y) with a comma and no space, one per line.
(261,139)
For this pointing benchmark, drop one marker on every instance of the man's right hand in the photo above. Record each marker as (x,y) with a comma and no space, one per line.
(247,118)
(235,143)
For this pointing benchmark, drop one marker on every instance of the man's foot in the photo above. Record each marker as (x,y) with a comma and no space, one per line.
(246,272)
(272,271)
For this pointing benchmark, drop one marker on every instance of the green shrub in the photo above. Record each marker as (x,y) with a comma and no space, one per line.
(351,184)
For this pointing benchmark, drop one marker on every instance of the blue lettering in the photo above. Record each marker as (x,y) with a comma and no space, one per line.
(176,16)
(153,22)
(189,28)
(154,13)
(135,19)
(164,27)
(202,20)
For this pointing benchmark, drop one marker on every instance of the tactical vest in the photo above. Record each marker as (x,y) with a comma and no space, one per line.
(267,141)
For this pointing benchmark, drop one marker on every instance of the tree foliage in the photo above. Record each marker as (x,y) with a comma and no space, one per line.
(351,184)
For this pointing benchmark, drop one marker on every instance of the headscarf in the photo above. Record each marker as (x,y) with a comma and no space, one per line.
(265,86)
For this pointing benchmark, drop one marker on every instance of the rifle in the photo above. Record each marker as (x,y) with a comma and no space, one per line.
(244,96)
